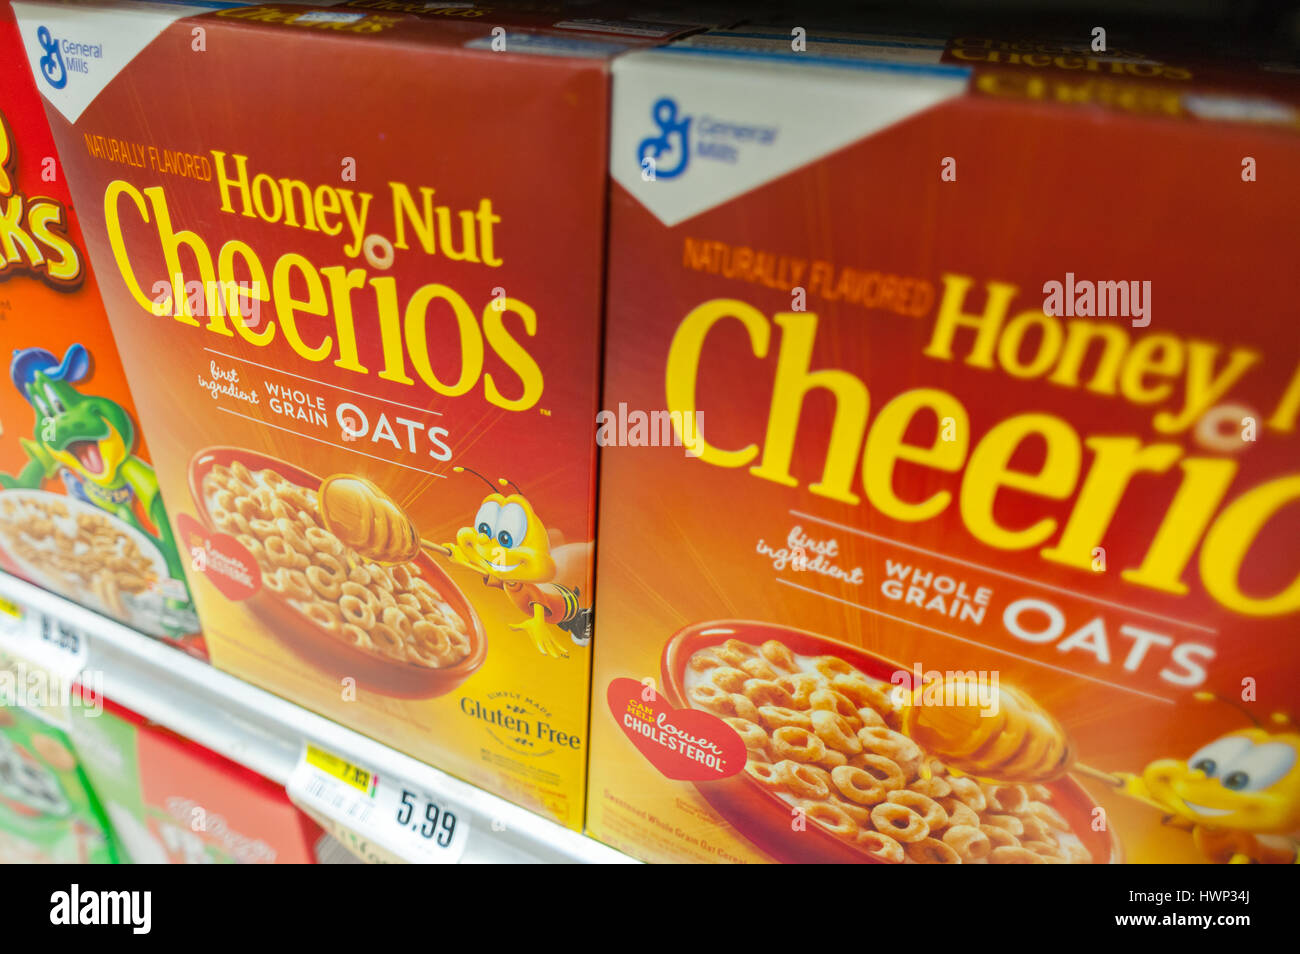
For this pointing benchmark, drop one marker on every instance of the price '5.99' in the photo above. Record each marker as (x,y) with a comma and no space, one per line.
(438,825)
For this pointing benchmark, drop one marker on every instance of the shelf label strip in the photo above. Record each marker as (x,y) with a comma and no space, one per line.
(388,812)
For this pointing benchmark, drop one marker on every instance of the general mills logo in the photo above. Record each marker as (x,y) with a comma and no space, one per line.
(673,140)
(703,137)
(52,62)
(63,57)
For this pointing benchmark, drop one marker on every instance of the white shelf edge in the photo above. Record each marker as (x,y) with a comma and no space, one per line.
(265,732)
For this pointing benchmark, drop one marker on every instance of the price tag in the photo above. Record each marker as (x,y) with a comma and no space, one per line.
(44,657)
(43,640)
(398,818)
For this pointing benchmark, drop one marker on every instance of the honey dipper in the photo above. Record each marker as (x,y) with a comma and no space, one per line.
(369,521)
(1017,742)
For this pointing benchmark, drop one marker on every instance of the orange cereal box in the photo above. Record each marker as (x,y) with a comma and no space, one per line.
(81,512)
(950,508)
(353,260)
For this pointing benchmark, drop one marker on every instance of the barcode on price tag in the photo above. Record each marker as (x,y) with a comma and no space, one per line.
(399,817)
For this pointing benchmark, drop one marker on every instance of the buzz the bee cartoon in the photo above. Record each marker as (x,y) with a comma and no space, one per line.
(1239,795)
(542,575)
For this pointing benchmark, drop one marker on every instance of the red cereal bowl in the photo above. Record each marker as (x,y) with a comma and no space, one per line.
(313,643)
(761,815)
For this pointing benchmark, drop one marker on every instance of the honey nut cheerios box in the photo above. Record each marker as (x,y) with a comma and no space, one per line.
(81,512)
(950,508)
(353,260)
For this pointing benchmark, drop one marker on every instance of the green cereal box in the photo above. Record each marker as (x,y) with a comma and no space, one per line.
(48,813)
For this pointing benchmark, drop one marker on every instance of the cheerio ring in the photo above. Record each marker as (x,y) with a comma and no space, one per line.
(1211,432)
(378,250)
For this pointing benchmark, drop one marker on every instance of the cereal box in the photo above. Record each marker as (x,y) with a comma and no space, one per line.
(48,813)
(80,509)
(353,261)
(926,536)
(172,801)
(614,22)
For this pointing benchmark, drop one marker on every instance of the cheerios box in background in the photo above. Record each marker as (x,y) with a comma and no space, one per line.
(172,801)
(622,23)
(370,248)
(949,490)
(48,812)
(80,509)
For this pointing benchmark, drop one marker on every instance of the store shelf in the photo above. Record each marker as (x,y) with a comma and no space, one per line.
(267,733)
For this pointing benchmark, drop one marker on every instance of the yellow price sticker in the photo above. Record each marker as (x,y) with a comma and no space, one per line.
(342,770)
(10,608)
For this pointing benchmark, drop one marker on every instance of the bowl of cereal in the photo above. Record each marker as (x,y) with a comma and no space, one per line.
(830,778)
(403,630)
(72,547)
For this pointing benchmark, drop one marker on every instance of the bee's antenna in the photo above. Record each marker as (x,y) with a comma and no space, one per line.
(1212,697)
(507,482)
(461,470)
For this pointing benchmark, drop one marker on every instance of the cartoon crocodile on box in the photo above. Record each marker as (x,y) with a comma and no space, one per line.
(87,441)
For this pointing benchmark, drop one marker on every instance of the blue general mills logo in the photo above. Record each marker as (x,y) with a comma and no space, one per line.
(63,57)
(673,140)
(705,137)
(51,64)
